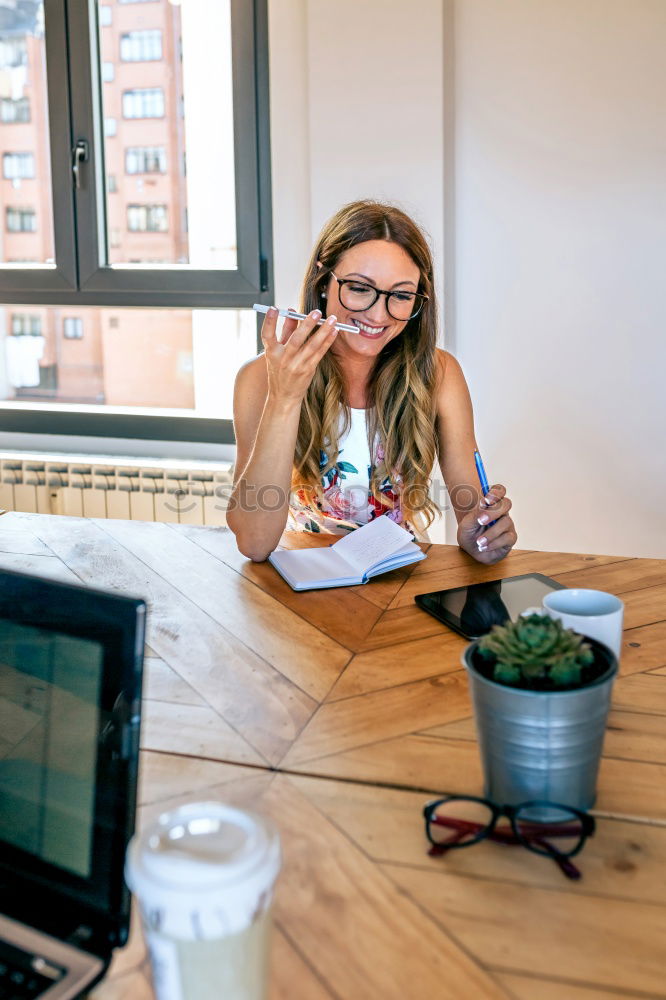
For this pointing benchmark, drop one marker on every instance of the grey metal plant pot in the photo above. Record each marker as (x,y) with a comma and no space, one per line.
(541,744)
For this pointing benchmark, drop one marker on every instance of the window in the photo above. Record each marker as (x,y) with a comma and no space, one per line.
(146,103)
(141,46)
(18,165)
(72,328)
(147,218)
(13,52)
(26,326)
(176,258)
(21,220)
(14,111)
(145,160)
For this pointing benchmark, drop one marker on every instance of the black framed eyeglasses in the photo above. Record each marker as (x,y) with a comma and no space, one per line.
(357,296)
(549,828)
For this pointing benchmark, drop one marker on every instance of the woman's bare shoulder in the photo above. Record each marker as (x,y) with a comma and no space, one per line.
(252,380)
(448,366)
(451,383)
(253,375)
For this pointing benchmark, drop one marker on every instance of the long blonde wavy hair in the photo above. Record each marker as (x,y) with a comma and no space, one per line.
(401,389)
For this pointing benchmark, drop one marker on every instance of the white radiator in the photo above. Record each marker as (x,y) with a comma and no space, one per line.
(105,486)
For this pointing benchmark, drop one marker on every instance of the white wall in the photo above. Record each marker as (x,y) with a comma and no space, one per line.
(560,244)
(290,145)
(356,112)
(375,114)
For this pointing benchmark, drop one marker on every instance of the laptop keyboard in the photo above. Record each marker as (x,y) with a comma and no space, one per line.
(24,975)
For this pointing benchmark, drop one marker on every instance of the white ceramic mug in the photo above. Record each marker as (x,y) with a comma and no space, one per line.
(594,613)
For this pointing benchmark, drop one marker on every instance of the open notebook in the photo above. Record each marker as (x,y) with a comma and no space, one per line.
(375,548)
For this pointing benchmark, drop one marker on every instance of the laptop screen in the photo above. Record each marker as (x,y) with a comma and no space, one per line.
(49,719)
(70,688)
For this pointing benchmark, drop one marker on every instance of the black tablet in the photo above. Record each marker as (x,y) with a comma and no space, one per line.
(472,611)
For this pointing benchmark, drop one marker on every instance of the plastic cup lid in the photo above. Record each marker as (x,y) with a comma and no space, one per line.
(204,846)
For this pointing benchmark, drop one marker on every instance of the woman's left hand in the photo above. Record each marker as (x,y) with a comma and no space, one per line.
(488,545)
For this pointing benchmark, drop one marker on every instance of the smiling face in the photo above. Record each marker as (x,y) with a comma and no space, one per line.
(385,265)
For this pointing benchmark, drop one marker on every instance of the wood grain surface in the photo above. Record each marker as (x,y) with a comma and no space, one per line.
(339,713)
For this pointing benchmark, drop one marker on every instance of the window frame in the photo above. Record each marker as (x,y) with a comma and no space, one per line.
(21,102)
(22,48)
(134,92)
(148,209)
(21,211)
(183,285)
(25,319)
(81,275)
(19,156)
(134,151)
(128,39)
(78,321)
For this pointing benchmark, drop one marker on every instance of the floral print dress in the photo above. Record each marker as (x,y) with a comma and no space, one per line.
(348,502)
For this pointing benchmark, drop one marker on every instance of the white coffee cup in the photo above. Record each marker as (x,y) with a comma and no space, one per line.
(203,875)
(594,613)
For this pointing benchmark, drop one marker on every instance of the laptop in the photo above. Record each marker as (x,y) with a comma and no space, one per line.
(70,687)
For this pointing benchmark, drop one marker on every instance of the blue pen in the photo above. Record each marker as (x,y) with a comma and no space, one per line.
(483,479)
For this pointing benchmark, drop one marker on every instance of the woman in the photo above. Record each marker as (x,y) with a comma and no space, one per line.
(347,426)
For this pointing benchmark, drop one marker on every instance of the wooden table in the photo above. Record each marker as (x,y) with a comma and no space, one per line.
(340,713)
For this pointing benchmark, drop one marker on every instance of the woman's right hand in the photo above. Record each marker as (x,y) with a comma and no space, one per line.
(292,361)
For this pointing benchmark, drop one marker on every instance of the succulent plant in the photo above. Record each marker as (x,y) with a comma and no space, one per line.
(536,651)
